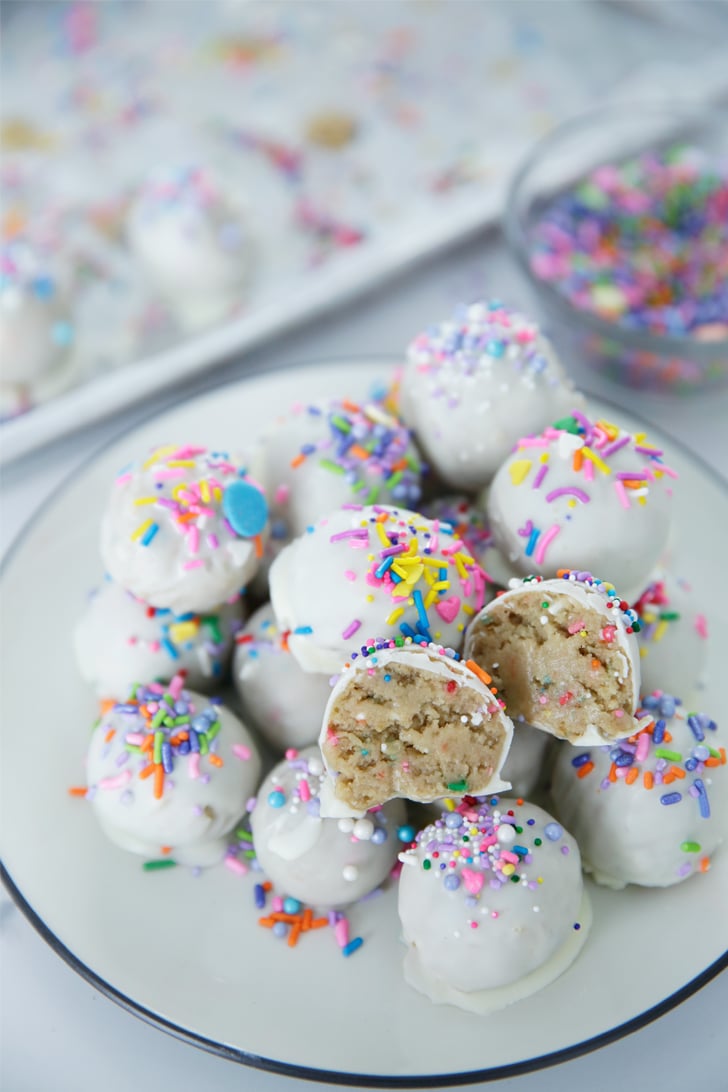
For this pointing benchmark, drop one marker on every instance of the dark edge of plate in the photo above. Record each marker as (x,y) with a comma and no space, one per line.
(290,1069)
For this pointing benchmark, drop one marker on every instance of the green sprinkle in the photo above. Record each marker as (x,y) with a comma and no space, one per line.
(537,842)
(691,847)
(341,423)
(427,865)
(327,464)
(519,830)
(458,786)
(249,853)
(515,879)
(670,616)
(671,756)
(158,740)
(179,721)
(157,866)
(568,424)
(212,623)
(132,748)
(364,752)
(204,748)
(159,718)
(394,479)
(244,835)
(213,730)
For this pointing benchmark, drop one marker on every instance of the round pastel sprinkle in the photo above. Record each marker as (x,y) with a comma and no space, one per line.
(246,508)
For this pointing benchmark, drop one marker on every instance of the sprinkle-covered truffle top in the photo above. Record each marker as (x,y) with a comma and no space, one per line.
(478,338)
(601,588)
(483,844)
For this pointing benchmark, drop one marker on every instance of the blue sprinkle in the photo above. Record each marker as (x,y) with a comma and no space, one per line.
(703,803)
(624,759)
(520,850)
(671,798)
(280,929)
(581,760)
(406,833)
(379,836)
(245,508)
(658,733)
(259,896)
(303,630)
(276,799)
(291,905)
(452,881)
(453,820)
(194,742)
(149,534)
(169,648)
(696,728)
(553,831)
(352,946)
(532,540)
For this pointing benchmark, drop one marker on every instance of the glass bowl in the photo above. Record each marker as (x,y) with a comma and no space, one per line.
(627,347)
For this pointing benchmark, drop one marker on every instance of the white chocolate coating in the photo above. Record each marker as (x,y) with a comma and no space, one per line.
(469,520)
(191,241)
(589,595)
(467,925)
(194,559)
(36,330)
(323,862)
(589,498)
(673,638)
(629,833)
(320,456)
(285,703)
(120,641)
(325,586)
(427,662)
(525,766)
(477,382)
(200,802)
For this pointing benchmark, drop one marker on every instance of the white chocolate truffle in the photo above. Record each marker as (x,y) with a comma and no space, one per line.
(320,456)
(563,656)
(36,328)
(414,722)
(672,638)
(192,242)
(526,765)
(371,571)
(285,703)
(323,862)
(474,384)
(184,528)
(120,641)
(583,494)
(188,791)
(475,937)
(469,520)
(652,810)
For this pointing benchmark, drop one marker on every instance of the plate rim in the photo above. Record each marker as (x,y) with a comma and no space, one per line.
(234,1054)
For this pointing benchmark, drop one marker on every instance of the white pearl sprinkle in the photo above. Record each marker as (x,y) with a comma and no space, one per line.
(350,872)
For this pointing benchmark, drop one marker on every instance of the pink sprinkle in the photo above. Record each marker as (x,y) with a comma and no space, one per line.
(155,646)
(622,771)
(164,473)
(115,782)
(134,738)
(123,479)
(588,470)
(473,925)
(618,713)
(193,540)
(506,855)
(643,746)
(355,532)
(576,626)
(622,494)
(341,932)
(132,640)
(194,563)
(701,626)
(608,634)
(213,541)
(543,543)
(351,629)
(188,452)
(276,904)
(304,791)
(350,574)
(176,685)
(543,700)
(566,491)
(666,470)
(238,867)
(282,494)
(193,766)
(489,841)
(241,751)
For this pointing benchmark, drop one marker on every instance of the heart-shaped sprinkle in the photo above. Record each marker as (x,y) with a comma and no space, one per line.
(473,881)
(448,608)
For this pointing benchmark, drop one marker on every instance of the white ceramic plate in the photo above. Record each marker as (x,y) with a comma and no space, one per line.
(186,953)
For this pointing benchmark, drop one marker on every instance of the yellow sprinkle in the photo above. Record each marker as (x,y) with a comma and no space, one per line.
(217,493)
(183,631)
(205,490)
(572,504)
(539,879)
(519,470)
(466,558)
(642,500)
(382,535)
(508,869)
(181,462)
(396,614)
(640,437)
(157,455)
(370,599)
(660,631)
(430,598)
(544,458)
(461,627)
(467,609)
(435,562)
(146,500)
(643,651)
(462,571)
(437,634)
(449,804)
(141,529)
(177,489)
(440,585)
(589,454)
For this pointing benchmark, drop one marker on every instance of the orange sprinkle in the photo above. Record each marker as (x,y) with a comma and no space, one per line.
(109,735)
(358,451)
(704,864)
(258,540)
(578,460)
(519,801)
(267,923)
(632,775)
(382,517)
(596,664)
(667,737)
(722,756)
(165,849)
(401,464)
(668,778)
(147,743)
(158,781)
(585,769)
(307,919)
(613,772)
(215,760)
(649,779)
(294,935)
(638,483)
(478,670)
(319,923)
(267,886)
(107,704)
(297,460)
(147,771)
(351,406)
(677,772)
(186,517)
(77,790)
(712,761)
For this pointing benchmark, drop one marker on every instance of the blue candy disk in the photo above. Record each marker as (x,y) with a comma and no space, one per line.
(246,508)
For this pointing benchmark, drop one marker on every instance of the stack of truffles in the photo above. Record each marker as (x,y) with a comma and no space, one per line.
(437,640)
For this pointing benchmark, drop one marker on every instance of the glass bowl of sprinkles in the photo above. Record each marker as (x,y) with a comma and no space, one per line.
(620,221)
